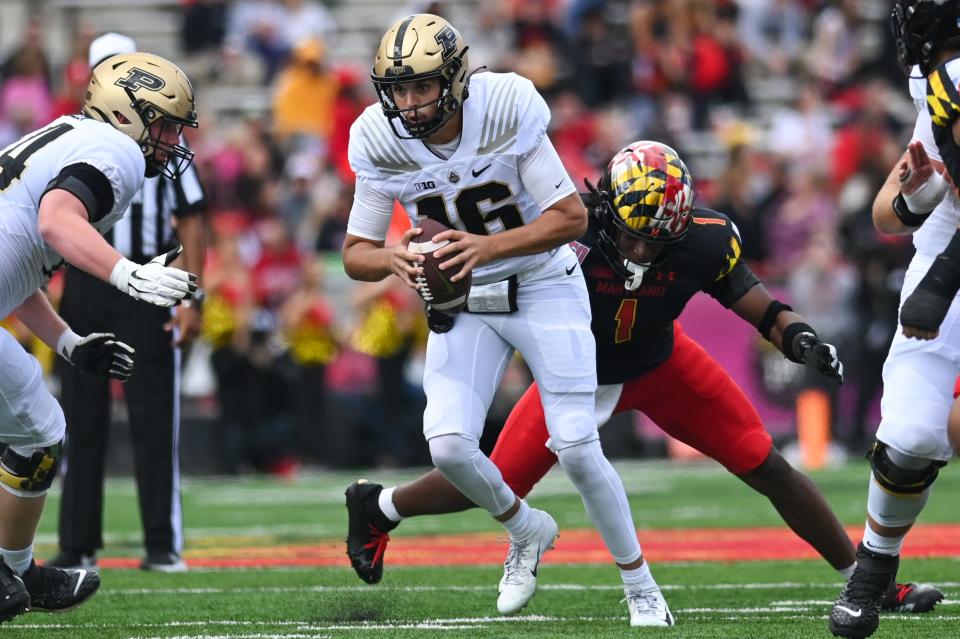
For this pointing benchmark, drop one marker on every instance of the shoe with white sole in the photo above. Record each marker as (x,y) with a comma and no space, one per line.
(647,607)
(519,581)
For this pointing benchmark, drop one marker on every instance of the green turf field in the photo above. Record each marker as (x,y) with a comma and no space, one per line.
(750,599)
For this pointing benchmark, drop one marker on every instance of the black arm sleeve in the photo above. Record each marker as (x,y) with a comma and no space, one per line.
(734,285)
(89,185)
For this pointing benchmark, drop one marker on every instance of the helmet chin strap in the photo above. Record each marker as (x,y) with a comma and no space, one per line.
(636,278)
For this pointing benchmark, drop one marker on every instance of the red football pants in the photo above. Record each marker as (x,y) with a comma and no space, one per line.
(690,397)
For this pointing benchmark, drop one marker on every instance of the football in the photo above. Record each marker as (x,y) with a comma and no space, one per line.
(434,285)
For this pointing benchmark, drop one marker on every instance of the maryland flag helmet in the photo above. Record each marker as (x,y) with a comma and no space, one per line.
(418,47)
(646,192)
(131,92)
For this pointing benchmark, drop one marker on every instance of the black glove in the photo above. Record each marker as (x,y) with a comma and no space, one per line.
(438,321)
(820,356)
(101,354)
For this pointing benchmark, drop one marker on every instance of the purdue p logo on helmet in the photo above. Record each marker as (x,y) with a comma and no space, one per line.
(134,91)
(419,47)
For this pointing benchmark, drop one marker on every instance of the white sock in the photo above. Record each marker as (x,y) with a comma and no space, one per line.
(519,525)
(639,578)
(385,501)
(883,545)
(18,560)
(846,572)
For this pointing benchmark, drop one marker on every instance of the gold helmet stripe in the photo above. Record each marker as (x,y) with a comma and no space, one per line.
(398,41)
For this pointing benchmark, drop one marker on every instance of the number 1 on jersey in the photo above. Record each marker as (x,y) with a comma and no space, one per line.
(626,317)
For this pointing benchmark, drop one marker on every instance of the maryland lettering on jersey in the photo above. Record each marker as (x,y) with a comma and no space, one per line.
(634,329)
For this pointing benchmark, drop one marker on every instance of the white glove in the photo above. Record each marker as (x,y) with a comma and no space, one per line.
(928,195)
(155,282)
(98,353)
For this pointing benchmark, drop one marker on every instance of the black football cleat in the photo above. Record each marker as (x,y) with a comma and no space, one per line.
(911,597)
(58,590)
(856,613)
(366,535)
(14,598)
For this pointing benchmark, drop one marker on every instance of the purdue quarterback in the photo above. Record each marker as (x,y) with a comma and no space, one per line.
(471,152)
(61,188)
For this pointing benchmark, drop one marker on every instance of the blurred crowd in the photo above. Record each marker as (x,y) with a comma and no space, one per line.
(790,113)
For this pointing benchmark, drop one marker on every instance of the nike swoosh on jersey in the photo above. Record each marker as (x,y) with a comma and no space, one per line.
(570,270)
(477,173)
(852,613)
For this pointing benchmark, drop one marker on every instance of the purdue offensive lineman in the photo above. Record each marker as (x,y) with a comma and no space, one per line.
(61,188)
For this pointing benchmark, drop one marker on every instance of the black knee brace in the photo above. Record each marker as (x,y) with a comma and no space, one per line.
(33,474)
(897,480)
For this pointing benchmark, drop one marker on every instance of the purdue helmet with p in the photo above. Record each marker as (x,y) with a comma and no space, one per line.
(646,192)
(922,28)
(133,91)
(419,47)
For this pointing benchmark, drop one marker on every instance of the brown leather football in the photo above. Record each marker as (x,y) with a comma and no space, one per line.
(434,285)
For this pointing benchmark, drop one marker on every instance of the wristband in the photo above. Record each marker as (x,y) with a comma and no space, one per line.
(787,343)
(67,342)
(905,215)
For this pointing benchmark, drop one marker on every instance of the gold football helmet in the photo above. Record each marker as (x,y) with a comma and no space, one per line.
(131,92)
(418,47)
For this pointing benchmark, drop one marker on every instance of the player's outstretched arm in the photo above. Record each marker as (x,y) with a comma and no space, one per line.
(788,331)
(64,225)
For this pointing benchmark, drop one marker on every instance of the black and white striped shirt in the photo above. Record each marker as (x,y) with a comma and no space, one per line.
(145,230)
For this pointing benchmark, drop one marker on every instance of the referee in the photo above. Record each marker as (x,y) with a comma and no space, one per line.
(153,392)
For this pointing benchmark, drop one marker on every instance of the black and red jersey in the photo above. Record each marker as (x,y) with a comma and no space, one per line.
(634,329)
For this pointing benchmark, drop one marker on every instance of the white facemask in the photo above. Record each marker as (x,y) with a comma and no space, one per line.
(636,279)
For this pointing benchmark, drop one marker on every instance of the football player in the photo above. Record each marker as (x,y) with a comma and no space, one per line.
(912,442)
(472,153)
(61,188)
(646,253)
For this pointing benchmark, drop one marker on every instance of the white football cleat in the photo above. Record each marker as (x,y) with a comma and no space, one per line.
(647,607)
(519,581)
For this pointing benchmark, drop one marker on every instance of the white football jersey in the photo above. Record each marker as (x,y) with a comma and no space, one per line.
(478,189)
(27,167)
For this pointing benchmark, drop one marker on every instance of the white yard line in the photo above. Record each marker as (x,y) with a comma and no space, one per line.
(785,585)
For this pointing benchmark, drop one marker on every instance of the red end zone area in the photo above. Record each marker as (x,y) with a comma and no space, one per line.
(573,547)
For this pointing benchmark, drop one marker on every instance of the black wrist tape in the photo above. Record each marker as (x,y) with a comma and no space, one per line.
(788,345)
(770,317)
(905,215)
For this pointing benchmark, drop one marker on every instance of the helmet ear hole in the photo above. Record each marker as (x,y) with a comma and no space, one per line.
(121,118)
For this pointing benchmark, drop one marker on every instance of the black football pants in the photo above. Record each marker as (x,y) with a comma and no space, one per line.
(152,396)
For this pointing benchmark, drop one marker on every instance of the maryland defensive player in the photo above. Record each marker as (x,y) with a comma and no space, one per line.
(61,188)
(647,252)
(474,155)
